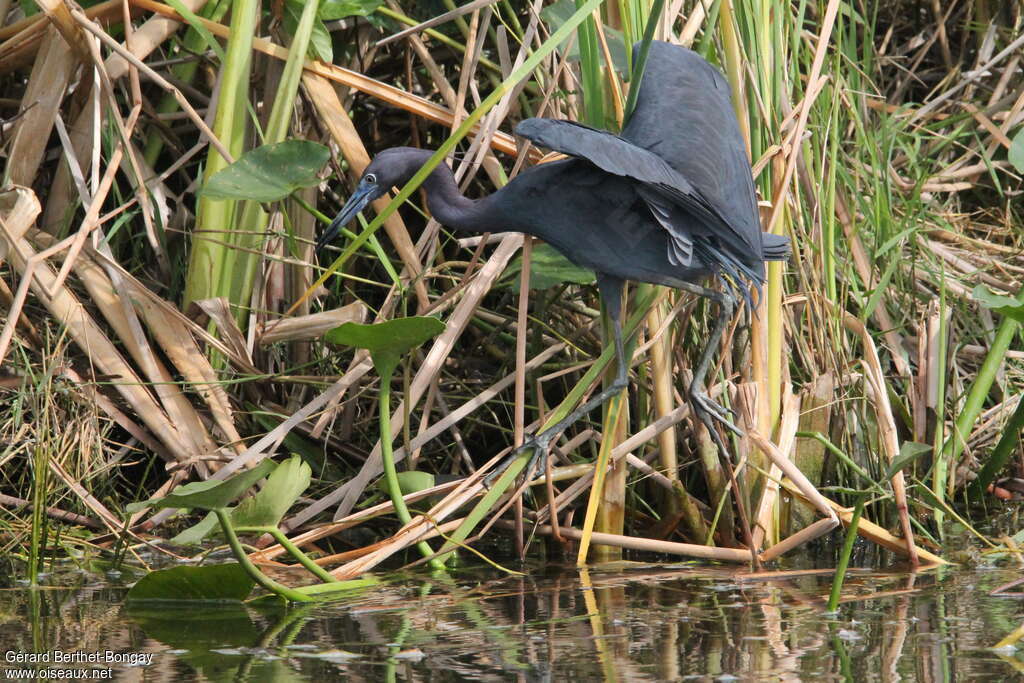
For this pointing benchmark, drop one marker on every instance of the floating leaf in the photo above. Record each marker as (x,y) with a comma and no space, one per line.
(1011,307)
(270,172)
(387,341)
(283,488)
(215,582)
(549,268)
(209,494)
(1016,154)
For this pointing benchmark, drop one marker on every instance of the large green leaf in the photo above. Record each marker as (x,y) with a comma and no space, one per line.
(1011,307)
(215,582)
(547,268)
(270,172)
(210,494)
(283,488)
(387,341)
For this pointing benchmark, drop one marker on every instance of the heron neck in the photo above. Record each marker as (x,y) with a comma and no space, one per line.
(450,207)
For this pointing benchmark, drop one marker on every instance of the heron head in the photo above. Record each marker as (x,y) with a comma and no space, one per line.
(392,167)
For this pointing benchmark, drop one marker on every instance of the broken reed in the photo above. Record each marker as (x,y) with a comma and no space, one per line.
(888,208)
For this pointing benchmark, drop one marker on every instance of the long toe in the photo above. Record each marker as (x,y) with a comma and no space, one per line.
(539,444)
(703,403)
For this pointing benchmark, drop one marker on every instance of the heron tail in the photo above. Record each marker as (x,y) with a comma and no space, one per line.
(775,247)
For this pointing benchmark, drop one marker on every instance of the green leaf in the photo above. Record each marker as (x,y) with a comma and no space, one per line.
(195,534)
(283,488)
(549,268)
(320,45)
(1016,154)
(1011,307)
(909,451)
(270,172)
(330,10)
(215,582)
(387,341)
(411,481)
(209,494)
(199,27)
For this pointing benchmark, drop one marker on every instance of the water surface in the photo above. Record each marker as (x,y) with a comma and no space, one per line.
(626,622)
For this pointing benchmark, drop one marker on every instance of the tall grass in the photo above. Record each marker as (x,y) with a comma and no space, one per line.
(897,200)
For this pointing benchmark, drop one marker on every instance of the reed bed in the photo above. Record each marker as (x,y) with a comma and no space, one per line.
(153,335)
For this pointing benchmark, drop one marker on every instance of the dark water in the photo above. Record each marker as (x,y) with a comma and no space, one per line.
(629,623)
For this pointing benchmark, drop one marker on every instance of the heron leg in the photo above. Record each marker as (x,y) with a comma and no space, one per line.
(703,405)
(611,294)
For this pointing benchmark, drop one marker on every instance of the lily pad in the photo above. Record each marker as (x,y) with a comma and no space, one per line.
(269,173)
(216,582)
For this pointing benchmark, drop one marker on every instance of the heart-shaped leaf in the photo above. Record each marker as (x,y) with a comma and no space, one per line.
(387,341)
(215,582)
(209,494)
(270,172)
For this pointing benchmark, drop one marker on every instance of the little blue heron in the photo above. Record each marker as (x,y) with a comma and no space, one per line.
(670,201)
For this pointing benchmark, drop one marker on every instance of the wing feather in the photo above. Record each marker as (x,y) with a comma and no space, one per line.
(618,156)
(684,114)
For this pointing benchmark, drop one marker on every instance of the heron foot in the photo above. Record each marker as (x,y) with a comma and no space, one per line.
(705,406)
(540,444)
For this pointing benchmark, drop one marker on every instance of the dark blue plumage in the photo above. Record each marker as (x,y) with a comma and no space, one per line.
(670,201)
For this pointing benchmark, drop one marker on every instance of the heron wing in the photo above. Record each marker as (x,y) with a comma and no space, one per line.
(618,156)
(684,115)
(680,244)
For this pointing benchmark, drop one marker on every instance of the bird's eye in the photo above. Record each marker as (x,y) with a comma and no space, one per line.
(370,178)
